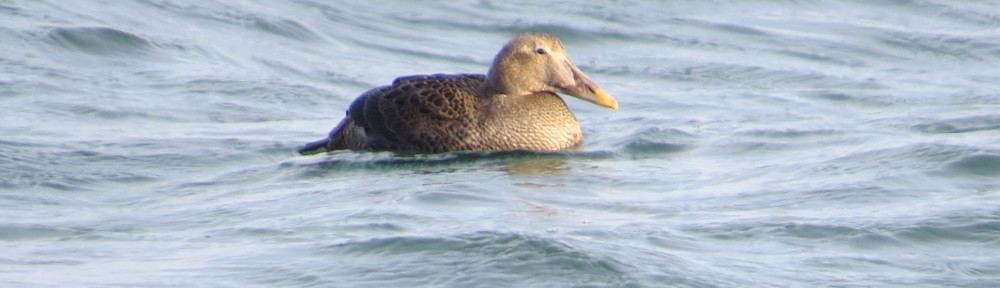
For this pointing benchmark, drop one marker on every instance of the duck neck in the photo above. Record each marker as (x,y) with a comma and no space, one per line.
(508,77)
(497,83)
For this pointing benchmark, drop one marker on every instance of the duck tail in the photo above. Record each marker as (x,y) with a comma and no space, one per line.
(315,147)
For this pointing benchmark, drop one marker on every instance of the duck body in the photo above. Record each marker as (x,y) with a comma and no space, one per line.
(514,107)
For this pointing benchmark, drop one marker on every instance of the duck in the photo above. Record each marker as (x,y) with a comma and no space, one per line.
(515,106)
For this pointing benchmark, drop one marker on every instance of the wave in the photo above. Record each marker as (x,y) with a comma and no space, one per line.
(353,160)
(100,41)
(501,258)
(971,124)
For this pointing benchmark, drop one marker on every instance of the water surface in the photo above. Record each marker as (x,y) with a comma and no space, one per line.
(758,144)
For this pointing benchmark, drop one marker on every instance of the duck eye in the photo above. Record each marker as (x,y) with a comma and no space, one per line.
(541,51)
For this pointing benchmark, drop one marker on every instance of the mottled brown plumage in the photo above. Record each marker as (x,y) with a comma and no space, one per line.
(513,107)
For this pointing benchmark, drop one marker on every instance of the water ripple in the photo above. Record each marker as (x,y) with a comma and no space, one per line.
(985,165)
(100,41)
(969,124)
(512,259)
(657,140)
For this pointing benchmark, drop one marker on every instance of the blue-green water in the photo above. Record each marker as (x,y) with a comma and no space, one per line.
(758,144)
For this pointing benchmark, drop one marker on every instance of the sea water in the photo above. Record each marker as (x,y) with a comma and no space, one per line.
(759,144)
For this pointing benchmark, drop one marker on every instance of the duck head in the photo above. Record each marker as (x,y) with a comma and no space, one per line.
(537,63)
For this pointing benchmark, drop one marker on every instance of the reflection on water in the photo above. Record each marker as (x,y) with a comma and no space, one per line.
(536,208)
(530,167)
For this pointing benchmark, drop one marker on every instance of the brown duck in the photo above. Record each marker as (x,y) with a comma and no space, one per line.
(513,107)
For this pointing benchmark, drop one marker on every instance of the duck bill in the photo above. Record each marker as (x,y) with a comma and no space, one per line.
(587,90)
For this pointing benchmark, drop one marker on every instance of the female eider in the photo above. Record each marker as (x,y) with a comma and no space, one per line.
(513,107)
